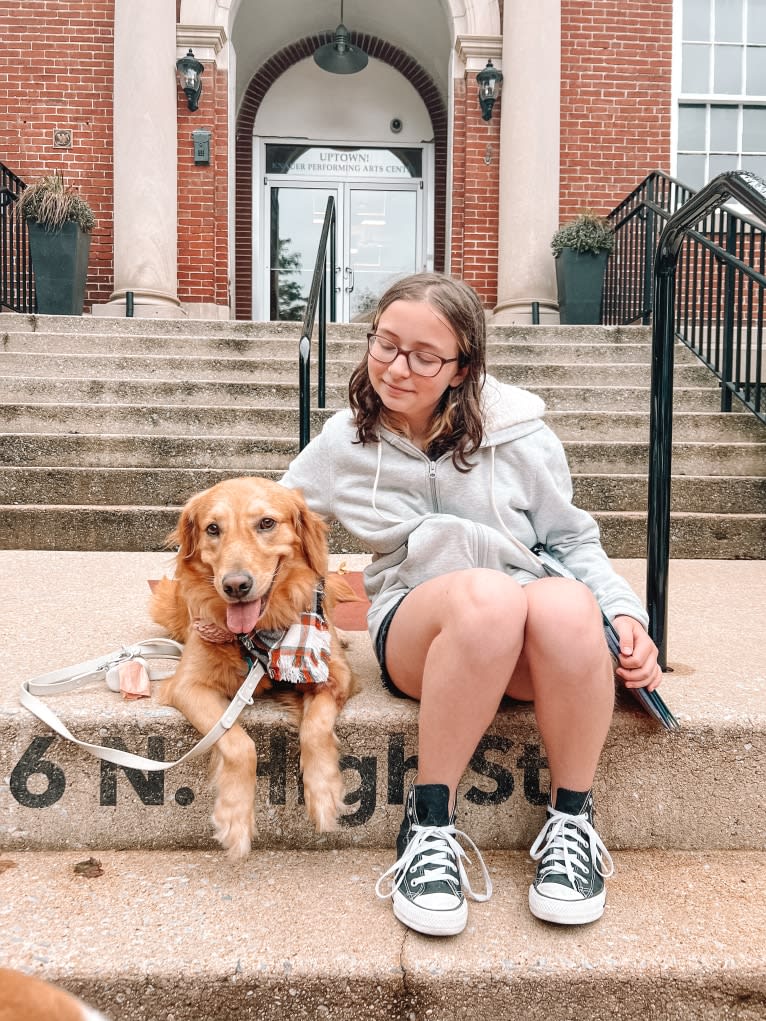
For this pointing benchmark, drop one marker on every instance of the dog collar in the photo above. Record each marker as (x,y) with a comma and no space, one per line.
(211,632)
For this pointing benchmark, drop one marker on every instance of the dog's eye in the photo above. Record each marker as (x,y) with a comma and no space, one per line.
(213,529)
(266,524)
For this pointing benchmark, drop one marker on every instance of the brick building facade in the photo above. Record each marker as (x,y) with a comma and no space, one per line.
(615,115)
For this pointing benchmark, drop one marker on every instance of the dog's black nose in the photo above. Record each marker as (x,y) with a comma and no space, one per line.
(237,585)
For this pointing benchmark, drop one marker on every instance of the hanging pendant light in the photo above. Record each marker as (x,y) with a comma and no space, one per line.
(339,56)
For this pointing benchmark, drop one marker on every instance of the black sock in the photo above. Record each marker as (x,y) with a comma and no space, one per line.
(571,802)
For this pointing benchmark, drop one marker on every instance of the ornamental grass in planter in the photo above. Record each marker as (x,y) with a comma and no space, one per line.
(581,248)
(59,222)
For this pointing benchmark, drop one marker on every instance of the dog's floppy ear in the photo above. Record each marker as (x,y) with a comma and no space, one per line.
(312,532)
(184,535)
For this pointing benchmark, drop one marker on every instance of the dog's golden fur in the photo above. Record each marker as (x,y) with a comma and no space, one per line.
(251,548)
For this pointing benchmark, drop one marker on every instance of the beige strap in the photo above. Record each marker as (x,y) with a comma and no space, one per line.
(98,669)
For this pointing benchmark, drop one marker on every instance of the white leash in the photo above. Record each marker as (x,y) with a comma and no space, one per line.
(102,669)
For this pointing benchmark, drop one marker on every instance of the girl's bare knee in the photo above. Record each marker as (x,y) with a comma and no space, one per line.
(562,605)
(493,606)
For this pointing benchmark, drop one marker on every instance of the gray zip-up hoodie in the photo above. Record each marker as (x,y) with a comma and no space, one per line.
(423,518)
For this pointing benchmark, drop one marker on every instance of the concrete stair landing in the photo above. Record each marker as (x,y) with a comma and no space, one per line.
(301,935)
(172,929)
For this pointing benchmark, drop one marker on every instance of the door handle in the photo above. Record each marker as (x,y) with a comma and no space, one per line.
(348,272)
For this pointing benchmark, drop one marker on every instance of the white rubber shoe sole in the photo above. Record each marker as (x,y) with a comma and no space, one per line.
(429,921)
(566,912)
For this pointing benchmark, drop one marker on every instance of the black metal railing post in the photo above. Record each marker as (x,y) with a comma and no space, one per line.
(17,287)
(647,299)
(727,354)
(317,298)
(751,192)
(660,452)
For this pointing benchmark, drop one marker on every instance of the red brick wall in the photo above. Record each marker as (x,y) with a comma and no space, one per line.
(202,195)
(615,99)
(475,191)
(57,73)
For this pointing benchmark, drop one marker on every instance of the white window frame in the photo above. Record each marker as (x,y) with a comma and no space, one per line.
(709,99)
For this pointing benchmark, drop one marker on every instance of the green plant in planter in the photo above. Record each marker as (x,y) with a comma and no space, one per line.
(581,248)
(59,221)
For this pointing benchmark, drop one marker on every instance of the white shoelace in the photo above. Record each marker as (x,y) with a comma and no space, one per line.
(563,842)
(440,849)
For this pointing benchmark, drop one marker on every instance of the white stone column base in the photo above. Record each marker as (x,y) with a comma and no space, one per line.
(147,304)
(206,310)
(519,310)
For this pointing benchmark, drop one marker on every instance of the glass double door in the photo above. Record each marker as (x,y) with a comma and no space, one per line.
(379,238)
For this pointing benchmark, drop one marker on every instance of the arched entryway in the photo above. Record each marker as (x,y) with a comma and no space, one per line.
(405,183)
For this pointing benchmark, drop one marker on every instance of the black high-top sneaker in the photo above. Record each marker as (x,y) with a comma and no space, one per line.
(428,877)
(572,863)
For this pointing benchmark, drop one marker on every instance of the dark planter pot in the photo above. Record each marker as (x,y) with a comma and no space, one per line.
(580,284)
(60,262)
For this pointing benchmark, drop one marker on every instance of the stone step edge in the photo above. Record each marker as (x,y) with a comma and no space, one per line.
(302,934)
(735,417)
(104,508)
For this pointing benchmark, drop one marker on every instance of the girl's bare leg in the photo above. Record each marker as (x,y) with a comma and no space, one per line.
(454,644)
(567,671)
(461,641)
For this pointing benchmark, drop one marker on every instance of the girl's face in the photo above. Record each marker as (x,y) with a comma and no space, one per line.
(414,326)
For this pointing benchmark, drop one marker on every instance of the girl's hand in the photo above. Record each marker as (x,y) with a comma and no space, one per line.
(638,667)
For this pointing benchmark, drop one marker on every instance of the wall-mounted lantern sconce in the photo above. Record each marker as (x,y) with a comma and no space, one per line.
(489,89)
(189,70)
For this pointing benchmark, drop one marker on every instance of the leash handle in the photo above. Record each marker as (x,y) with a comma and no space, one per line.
(157,648)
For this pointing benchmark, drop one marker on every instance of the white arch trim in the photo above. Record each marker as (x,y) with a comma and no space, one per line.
(467,17)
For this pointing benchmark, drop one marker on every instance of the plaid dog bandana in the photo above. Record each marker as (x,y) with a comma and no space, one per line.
(301,653)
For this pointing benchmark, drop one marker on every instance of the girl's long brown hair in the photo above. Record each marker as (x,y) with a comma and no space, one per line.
(457,423)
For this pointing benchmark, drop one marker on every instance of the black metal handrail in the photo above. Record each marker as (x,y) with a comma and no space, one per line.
(750,191)
(17,288)
(317,298)
(637,223)
(719,305)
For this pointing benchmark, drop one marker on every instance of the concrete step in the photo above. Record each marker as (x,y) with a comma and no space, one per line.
(701,788)
(173,486)
(136,528)
(185,936)
(516,349)
(156,419)
(180,367)
(264,453)
(210,393)
(13,323)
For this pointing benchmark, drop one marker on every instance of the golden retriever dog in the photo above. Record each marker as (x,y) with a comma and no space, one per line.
(250,556)
(25,998)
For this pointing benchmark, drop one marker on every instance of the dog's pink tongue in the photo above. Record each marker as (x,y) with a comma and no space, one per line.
(241,618)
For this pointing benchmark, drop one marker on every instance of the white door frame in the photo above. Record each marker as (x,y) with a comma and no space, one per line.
(262,183)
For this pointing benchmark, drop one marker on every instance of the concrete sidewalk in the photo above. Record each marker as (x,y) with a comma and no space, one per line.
(301,935)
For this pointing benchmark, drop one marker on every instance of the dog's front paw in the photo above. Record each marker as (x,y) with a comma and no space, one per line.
(233,773)
(233,828)
(324,800)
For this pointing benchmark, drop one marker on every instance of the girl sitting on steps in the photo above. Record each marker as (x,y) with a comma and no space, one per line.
(446,475)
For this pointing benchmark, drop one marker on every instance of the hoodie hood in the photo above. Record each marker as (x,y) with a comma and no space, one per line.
(509,411)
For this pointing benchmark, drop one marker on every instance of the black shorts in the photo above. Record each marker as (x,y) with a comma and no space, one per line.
(380,651)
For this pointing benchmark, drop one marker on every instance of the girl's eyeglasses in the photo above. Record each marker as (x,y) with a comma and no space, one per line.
(422,363)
